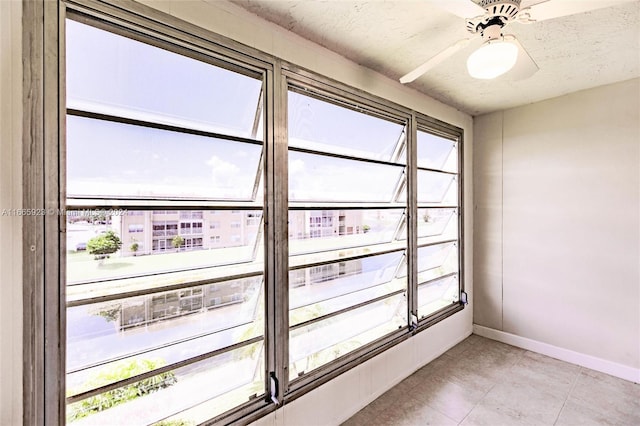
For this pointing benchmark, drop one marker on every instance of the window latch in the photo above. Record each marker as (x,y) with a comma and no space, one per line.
(273,387)
(414,322)
(464,299)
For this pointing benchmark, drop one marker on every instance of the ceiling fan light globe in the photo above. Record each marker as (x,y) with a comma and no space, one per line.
(492,59)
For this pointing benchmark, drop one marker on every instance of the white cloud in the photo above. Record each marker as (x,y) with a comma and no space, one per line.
(296,166)
(223,173)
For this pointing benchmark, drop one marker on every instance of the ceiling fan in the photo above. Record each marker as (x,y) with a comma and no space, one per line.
(500,53)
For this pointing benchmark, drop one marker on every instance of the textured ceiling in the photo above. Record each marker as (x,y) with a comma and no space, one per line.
(393,37)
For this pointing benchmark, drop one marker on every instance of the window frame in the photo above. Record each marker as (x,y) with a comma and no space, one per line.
(325,89)
(439,128)
(188,48)
(44,182)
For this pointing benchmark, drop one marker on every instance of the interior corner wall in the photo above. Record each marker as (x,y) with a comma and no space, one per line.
(557,223)
(10,224)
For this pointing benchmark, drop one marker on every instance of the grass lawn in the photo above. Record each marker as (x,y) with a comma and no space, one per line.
(81,266)
(131,273)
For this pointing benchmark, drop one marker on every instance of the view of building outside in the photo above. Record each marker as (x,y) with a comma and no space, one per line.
(154,231)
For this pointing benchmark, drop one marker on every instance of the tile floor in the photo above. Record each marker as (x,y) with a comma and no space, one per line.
(484,382)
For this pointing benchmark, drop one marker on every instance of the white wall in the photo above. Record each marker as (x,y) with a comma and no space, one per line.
(10,227)
(557,225)
(349,392)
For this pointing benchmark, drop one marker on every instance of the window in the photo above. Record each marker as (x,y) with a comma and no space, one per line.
(344,286)
(202,300)
(191,214)
(136,227)
(144,332)
(438,224)
(165,228)
(190,228)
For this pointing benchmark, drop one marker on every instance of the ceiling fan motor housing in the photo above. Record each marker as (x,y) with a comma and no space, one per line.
(498,12)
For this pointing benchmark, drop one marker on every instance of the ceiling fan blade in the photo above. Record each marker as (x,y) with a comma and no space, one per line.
(434,61)
(556,8)
(525,66)
(462,8)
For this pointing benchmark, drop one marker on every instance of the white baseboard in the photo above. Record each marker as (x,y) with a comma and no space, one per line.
(584,360)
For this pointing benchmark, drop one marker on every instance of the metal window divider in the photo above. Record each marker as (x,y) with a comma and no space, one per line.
(412,224)
(276,232)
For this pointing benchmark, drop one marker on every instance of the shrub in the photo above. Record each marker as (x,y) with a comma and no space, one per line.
(120,371)
(174,423)
(177,241)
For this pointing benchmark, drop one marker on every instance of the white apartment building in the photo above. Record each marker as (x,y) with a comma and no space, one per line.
(154,230)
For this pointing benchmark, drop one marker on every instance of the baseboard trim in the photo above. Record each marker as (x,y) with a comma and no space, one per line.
(609,367)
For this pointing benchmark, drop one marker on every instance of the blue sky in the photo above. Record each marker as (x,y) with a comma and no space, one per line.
(111,159)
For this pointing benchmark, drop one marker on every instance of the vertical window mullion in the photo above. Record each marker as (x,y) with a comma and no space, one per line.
(55,292)
(277,257)
(461,251)
(412,214)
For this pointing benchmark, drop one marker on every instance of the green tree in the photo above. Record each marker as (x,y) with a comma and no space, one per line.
(177,241)
(103,245)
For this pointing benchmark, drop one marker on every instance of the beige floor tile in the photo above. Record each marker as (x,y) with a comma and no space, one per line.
(406,411)
(574,414)
(601,393)
(459,349)
(364,417)
(451,399)
(492,363)
(483,415)
(491,346)
(441,366)
(474,338)
(525,401)
(388,399)
(483,382)
(480,379)
(411,412)
(409,383)
(544,373)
